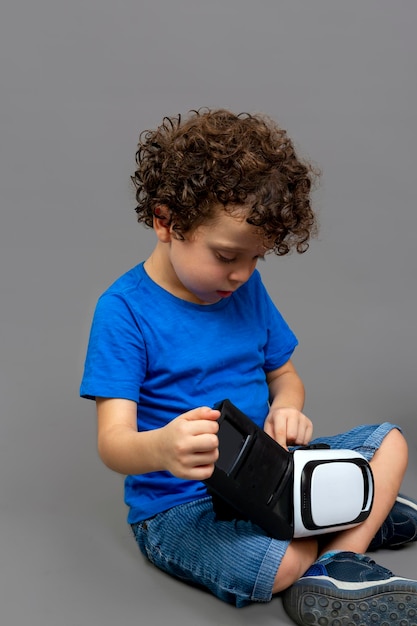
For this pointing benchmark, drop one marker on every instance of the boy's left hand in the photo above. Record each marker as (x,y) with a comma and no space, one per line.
(288,426)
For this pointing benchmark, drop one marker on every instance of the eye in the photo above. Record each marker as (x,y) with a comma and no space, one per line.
(224,259)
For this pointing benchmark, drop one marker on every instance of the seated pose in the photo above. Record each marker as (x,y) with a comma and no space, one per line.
(194,324)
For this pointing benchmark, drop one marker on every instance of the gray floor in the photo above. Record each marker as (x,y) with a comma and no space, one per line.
(79,81)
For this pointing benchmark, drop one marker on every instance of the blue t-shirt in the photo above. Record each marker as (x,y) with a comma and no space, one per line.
(170,356)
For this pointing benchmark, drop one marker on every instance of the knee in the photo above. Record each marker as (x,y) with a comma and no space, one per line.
(396,438)
(300,554)
(400,442)
(394,446)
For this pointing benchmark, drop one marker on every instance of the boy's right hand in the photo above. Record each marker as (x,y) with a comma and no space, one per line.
(189,445)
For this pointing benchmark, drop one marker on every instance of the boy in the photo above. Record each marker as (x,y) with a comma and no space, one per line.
(193,325)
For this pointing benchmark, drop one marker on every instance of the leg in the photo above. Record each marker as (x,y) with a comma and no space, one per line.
(346,586)
(234,560)
(388,467)
(300,554)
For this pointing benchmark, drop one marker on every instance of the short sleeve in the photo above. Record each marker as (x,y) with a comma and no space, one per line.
(281,339)
(115,364)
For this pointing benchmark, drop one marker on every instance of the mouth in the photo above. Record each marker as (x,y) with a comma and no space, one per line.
(225,294)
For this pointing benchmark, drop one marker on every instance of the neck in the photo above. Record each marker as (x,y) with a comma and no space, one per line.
(159,268)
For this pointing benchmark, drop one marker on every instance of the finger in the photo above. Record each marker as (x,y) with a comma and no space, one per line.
(305,434)
(205,443)
(202,413)
(280,436)
(197,461)
(293,433)
(308,434)
(268,428)
(201,472)
(202,427)
(208,457)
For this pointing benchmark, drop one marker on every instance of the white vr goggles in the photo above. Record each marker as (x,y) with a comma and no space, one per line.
(310,491)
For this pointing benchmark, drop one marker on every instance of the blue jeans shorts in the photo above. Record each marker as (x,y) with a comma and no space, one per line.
(235,560)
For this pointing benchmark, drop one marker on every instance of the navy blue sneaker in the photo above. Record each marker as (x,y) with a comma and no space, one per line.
(399,528)
(348,589)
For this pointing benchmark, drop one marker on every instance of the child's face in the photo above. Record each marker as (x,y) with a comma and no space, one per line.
(217,258)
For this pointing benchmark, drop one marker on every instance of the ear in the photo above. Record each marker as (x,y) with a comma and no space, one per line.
(162,223)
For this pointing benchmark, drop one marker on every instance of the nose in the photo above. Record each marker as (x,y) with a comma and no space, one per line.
(242,273)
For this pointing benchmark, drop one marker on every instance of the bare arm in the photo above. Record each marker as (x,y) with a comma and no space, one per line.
(285,422)
(187,446)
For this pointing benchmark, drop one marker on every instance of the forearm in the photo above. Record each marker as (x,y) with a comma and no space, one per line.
(127,451)
(287,391)
(285,421)
(187,446)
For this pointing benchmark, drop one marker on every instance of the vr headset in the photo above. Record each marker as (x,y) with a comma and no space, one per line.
(311,490)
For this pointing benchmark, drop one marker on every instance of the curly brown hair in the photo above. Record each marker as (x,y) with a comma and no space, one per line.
(217,157)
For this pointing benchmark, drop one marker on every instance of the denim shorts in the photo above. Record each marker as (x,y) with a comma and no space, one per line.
(235,560)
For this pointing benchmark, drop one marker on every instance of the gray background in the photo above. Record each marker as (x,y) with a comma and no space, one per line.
(79,81)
